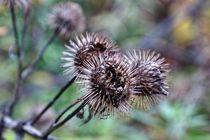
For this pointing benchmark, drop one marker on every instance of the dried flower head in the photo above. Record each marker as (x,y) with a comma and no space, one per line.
(148,73)
(19,3)
(67,18)
(83,48)
(106,81)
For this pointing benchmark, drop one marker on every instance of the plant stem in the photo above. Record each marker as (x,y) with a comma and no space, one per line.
(57,96)
(19,136)
(9,110)
(25,128)
(14,26)
(55,126)
(25,27)
(34,63)
(66,109)
(1,128)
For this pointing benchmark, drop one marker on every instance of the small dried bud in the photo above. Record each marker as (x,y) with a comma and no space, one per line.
(19,3)
(148,73)
(67,18)
(83,48)
(106,81)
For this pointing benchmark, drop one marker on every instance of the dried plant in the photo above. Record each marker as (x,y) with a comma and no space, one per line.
(112,82)
(115,82)
(68,18)
(82,48)
(149,77)
(106,81)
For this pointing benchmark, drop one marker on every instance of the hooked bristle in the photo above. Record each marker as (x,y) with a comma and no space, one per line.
(82,48)
(106,80)
(149,77)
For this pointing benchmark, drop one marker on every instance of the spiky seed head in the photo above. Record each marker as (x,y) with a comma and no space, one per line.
(106,81)
(82,48)
(67,18)
(149,77)
(18,3)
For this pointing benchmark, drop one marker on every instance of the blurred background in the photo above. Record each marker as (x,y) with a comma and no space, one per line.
(178,29)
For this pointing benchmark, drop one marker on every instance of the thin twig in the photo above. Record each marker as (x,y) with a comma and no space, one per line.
(9,110)
(85,97)
(19,131)
(26,128)
(14,26)
(25,27)
(19,136)
(57,96)
(33,65)
(66,109)
(90,115)
(1,128)
(57,125)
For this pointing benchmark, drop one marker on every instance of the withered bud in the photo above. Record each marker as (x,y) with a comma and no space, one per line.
(149,78)
(67,18)
(106,82)
(82,48)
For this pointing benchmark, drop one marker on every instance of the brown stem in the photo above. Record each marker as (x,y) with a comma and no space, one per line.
(10,108)
(1,128)
(27,72)
(66,109)
(25,27)
(25,128)
(57,125)
(57,96)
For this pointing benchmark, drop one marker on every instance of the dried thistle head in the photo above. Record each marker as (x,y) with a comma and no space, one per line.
(106,82)
(83,48)
(19,3)
(148,73)
(67,18)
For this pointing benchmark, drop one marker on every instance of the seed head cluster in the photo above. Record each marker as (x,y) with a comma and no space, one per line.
(67,18)
(115,82)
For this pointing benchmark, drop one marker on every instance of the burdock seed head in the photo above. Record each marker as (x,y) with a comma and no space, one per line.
(19,3)
(82,48)
(106,83)
(148,73)
(67,18)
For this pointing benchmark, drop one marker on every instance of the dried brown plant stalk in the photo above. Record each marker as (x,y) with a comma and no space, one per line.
(113,82)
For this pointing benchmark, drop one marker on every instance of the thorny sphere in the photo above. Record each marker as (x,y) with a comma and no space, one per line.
(106,80)
(114,82)
(83,48)
(148,73)
(19,3)
(67,18)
